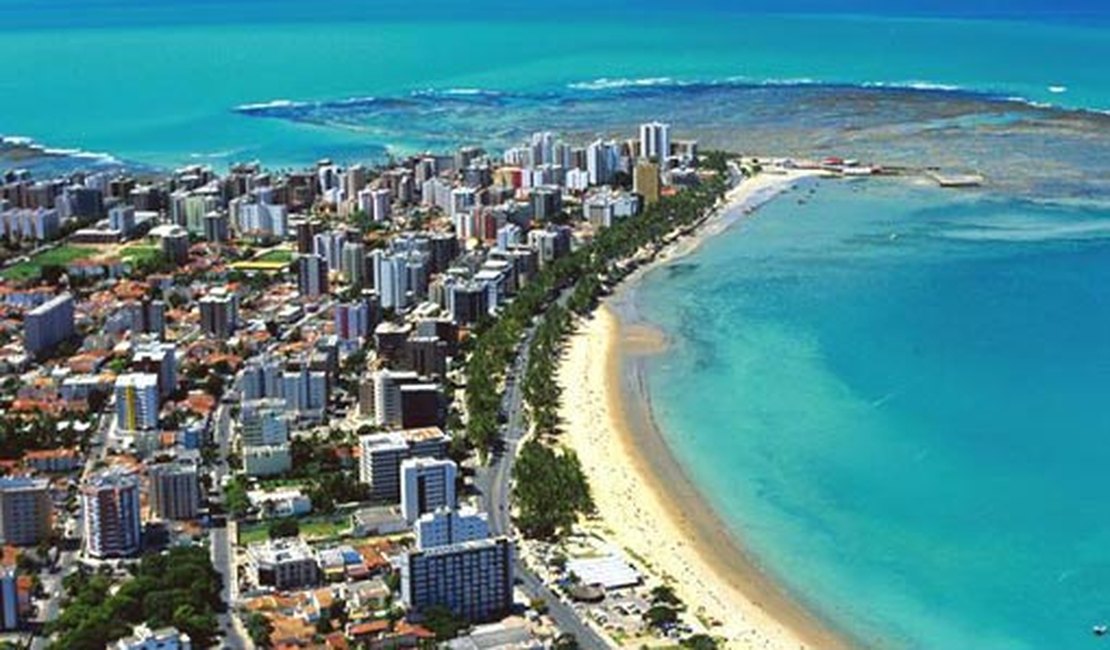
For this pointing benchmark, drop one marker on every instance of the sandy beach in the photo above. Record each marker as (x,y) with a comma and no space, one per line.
(645,502)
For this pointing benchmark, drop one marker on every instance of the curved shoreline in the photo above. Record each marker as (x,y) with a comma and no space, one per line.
(646,502)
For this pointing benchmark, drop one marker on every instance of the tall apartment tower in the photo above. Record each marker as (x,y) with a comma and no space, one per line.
(655,141)
(110,502)
(427,484)
(219,313)
(25,510)
(137,401)
(174,490)
(312,275)
(49,324)
(472,579)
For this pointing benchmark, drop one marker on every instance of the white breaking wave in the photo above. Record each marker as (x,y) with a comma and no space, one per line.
(60,152)
(605,83)
(913,85)
(17,141)
(276,103)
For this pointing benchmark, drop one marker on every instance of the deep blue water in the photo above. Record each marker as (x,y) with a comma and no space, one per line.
(159,83)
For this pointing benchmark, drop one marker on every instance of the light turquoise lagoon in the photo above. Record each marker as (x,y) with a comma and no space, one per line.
(908,424)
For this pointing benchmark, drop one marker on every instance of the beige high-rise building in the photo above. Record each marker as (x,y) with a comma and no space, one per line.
(26,511)
(645,181)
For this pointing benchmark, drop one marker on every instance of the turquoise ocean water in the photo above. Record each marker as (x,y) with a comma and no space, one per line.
(909,425)
(914,435)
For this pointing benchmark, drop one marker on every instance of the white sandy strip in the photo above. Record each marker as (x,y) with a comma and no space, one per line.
(627,502)
(628,505)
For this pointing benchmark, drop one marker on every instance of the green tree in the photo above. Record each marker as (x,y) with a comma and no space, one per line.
(700,642)
(235,495)
(259,628)
(661,616)
(550,490)
(285,527)
(443,622)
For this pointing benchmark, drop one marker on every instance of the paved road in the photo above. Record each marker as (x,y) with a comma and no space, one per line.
(221,539)
(494,484)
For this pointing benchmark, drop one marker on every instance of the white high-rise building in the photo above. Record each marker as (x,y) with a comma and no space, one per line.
(380,464)
(445,526)
(329,245)
(508,236)
(262,219)
(264,422)
(122,218)
(387,395)
(158,358)
(49,324)
(463,200)
(305,390)
(602,159)
(381,201)
(391,279)
(543,144)
(655,141)
(260,378)
(426,485)
(137,401)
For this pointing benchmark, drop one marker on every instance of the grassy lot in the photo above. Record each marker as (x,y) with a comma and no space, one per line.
(324,527)
(251,533)
(60,255)
(283,255)
(311,528)
(139,253)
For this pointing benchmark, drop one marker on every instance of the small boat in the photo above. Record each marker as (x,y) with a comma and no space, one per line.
(1099,630)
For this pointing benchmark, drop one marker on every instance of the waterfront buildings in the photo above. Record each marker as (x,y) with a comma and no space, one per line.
(26,510)
(655,141)
(387,307)
(49,324)
(645,181)
(381,456)
(472,579)
(110,501)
